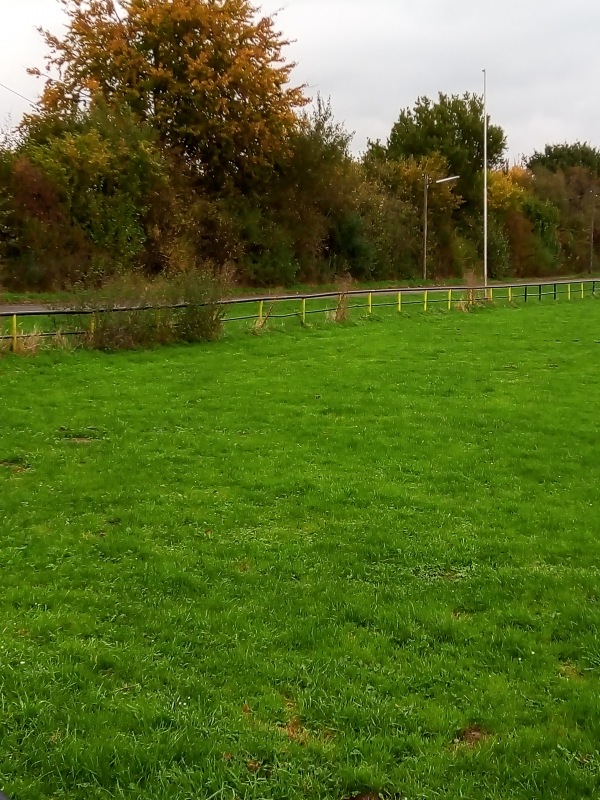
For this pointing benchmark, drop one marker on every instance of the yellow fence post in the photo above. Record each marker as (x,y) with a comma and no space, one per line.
(510,294)
(425,298)
(399,302)
(304,310)
(491,295)
(14,333)
(370,303)
(260,312)
(582,291)
(569,291)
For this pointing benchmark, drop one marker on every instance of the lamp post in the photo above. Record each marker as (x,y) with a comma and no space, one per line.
(427,182)
(485,183)
(592,230)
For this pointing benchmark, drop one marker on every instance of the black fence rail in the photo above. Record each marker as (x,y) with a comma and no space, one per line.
(400,298)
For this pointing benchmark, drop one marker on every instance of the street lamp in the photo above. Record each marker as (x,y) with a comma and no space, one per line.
(592,229)
(427,182)
(485,183)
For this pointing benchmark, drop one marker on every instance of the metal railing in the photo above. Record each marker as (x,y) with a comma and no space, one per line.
(400,298)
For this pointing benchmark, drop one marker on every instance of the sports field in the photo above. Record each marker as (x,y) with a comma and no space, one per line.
(315,564)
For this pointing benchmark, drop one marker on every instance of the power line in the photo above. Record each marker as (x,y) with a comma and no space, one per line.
(18,94)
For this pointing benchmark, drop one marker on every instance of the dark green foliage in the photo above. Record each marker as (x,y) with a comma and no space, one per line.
(268,256)
(350,250)
(563,157)
(453,128)
(545,219)
(499,255)
(568,196)
(79,195)
(88,197)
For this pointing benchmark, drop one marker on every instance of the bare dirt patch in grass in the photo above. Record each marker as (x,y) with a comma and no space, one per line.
(472,736)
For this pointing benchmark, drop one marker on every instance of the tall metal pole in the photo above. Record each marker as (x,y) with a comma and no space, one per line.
(592,231)
(425,223)
(485,182)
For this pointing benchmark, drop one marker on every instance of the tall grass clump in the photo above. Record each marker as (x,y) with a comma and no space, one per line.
(343,285)
(133,312)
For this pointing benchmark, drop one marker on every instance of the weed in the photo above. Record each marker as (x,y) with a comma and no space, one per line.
(260,324)
(184,308)
(343,285)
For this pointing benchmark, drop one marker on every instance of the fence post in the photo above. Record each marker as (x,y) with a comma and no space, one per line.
(399,302)
(569,291)
(304,310)
(540,292)
(260,312)
(449,299)
(510,294)
(425,298)
(525,298)
(370,303)
(14,333)
(582,290)
(491,295)
(555,292)
(594,288)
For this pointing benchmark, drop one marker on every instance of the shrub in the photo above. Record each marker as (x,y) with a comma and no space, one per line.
(133,313)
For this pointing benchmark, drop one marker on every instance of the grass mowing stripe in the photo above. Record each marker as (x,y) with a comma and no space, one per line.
(308,564)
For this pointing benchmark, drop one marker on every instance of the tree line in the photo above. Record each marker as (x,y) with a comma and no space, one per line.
(169,138)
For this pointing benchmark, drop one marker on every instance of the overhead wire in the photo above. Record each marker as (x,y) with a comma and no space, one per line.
(18,94)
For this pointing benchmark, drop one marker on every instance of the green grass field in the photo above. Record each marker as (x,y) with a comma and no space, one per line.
(315,564)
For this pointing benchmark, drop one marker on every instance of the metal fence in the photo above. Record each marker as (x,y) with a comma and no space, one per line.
(301,306)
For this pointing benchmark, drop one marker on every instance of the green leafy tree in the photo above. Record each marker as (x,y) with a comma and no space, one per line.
(453,128)
(317,197)
(573,193)
(563,157)
(403,182)
(80,195)
(105,170)
(307,223)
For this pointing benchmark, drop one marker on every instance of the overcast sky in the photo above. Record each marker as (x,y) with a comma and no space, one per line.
(374,57)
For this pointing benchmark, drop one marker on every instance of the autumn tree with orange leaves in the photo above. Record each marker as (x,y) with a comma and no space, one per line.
(208,75)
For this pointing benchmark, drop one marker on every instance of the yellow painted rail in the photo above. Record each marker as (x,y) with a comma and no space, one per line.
(280,307)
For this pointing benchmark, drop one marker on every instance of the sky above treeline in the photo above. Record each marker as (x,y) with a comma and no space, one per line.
(375,57)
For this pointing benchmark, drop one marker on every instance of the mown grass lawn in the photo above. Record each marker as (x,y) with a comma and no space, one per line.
(356,559)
